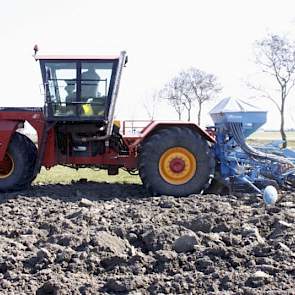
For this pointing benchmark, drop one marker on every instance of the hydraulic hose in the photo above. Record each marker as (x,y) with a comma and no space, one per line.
(237,132)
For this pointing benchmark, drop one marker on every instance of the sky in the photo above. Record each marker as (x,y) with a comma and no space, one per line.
(161,38)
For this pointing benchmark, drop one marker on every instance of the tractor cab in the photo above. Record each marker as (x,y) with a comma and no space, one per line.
(79,88)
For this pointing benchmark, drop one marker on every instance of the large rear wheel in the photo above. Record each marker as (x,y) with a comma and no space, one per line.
(17,167)
(176,161)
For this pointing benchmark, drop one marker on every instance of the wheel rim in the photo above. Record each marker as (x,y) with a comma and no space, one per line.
(177,165)
(6,166)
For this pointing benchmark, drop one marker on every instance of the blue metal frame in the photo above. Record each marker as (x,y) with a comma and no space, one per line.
(235,165)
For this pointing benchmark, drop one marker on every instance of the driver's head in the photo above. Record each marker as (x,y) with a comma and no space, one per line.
(90,73)
(91,67)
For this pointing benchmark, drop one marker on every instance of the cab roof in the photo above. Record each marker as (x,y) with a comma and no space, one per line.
(77,57)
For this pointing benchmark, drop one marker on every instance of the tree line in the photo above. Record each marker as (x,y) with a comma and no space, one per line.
(275,57)
(190,87)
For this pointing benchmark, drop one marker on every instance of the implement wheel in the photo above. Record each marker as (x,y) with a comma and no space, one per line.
(17,167)
(175,161)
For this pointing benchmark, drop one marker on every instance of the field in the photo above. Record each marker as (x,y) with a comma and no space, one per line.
(269,136)
(98,238)
(65,175)
(84,232)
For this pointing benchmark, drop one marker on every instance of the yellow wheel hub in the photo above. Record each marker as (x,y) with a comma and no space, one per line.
(6,166)
(177,165)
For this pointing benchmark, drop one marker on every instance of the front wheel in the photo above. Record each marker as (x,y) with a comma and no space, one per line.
(17,167)
(176,161)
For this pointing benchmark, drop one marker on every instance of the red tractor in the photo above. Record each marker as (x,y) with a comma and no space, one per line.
(76,128)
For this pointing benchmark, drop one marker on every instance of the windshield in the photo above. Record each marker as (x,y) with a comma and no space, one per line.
(77,88)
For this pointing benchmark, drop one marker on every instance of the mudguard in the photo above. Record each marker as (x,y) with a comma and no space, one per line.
(156,125)
(164,124)
(7,128)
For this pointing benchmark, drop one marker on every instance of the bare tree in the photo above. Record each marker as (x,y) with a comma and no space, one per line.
(202,87)
(172,92)
(185,87)
(150,104)
(276,57)
(188,87)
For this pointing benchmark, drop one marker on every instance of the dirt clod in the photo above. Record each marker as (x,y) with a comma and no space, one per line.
(185,243)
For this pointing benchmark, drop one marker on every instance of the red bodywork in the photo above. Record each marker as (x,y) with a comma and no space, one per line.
(11,120)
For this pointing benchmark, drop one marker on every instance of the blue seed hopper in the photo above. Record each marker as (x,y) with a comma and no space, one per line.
(231,110)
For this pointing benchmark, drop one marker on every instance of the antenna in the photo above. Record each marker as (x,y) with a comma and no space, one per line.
(36,49)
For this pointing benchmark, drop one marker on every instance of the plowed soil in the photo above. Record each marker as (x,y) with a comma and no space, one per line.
(96,238)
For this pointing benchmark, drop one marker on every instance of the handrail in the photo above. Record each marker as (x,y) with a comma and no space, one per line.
(134,128)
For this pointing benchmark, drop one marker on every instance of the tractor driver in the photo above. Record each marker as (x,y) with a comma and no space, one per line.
(90,94)
(89,84)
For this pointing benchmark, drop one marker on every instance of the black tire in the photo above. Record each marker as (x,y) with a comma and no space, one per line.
(23,153)
(32,154)
(162,141)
